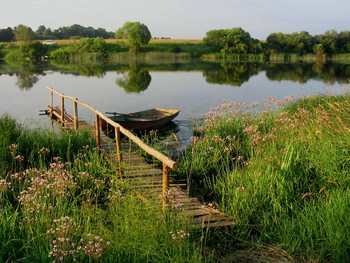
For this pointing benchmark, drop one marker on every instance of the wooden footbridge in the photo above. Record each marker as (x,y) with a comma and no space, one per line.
(147,180)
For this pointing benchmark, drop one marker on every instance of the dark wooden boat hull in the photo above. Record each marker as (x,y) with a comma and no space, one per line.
(141,121)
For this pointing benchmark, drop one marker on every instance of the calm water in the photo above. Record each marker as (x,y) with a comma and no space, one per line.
(191,86)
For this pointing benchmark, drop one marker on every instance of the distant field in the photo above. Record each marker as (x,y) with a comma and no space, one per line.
(70,41)
(193,41)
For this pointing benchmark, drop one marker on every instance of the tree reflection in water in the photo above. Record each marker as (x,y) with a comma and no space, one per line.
(27,75)
(135,80)
(25,81)
(233,74)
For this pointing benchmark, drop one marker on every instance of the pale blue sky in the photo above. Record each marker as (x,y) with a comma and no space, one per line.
(182,18)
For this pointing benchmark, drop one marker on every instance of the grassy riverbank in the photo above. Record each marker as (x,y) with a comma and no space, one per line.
(116,49)
(282,174)
(60,202)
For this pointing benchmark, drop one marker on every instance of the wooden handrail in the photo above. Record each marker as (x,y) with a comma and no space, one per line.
(161,157)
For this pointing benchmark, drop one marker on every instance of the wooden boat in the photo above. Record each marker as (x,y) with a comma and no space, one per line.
(140,121)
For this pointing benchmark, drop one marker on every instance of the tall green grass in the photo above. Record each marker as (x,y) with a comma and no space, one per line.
(283,174)
(291,57)
(61,202)
(236,57)
(29,144)
(191,49)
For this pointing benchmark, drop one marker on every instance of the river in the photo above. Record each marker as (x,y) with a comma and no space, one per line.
(191,86)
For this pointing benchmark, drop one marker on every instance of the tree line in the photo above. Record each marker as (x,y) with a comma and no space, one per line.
(238,41)
(135,34)
(221,43)
(66,32)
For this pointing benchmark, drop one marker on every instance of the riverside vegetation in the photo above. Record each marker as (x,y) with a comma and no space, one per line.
(133,40)
(98,49)
(283,174)
(61,202)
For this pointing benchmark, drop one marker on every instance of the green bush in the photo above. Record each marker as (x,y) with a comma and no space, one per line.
(62,53)
(15,54)
(27,50)
(91,45)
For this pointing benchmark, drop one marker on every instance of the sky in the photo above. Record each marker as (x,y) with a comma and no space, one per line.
(182,19)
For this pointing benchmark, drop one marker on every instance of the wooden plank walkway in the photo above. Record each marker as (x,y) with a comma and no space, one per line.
(146,180)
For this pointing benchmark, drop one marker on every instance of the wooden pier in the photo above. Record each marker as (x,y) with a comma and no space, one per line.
(145,179)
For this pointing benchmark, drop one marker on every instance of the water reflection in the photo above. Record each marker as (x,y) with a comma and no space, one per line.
(232,74)
(329,73)
(27,74)
(25,81)
(135,80)
(91,69)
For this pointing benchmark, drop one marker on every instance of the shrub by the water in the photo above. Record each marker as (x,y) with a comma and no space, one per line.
(27,50)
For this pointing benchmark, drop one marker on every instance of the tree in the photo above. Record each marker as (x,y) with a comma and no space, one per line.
(343,42)
(318,50)
(76,31)
(215,39)
(91,45)
(48,33)
(300,43)
(232,41)
(23,33)
(276,42)
(41,29)
(6,35)
(101,32)
(32,49)
(136,34)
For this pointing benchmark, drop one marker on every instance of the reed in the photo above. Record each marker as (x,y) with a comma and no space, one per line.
(235,57)
(148,56)
(341,57)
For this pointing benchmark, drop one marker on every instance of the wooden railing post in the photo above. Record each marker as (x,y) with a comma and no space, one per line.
(97,125)
(166,172)
(75,111)
(62,109)
(119,151)
(51,104)
(167,163)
